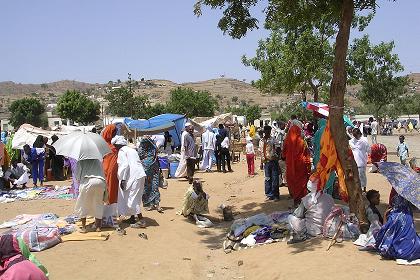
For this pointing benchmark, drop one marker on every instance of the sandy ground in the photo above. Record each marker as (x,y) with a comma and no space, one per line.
(177,249)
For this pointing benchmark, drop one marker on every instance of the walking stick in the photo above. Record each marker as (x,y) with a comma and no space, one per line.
(334,239)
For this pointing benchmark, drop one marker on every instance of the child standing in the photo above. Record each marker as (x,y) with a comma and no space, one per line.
(250,156)
(402,151)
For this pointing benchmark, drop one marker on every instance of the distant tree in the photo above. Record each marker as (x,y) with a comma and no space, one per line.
(235,99)
(26,110)
(376,68)
(191,103)
(154,110)
(251,112)
(119,81)
(77,107)
(44,86)
(120,102)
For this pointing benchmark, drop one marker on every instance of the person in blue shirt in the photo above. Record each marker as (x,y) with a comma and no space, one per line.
(402,151)
(36,157)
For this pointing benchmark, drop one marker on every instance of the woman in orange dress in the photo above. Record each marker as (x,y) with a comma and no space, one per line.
(110,164)
(298,163)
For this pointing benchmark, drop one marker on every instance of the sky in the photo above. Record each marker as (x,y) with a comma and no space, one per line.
(101,40)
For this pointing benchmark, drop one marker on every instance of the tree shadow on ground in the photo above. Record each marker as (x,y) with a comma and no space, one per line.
(313,244)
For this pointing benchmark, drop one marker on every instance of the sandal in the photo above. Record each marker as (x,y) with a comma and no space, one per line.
(83,230)
(139,224)
(143,235)
(159,209)
(121,232)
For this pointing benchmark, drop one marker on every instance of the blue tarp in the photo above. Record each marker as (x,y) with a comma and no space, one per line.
(159,122)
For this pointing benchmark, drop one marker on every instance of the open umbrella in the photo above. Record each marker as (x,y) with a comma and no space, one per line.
(403,179)
(82,145)
(323,109)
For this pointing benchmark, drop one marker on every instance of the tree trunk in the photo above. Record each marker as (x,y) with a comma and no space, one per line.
(337,90)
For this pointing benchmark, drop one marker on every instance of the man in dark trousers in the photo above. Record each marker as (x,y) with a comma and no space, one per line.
(224,152)
(190,153)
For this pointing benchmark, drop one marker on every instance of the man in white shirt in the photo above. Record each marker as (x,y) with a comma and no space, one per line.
(208,141)
(225,153)
(374,130)
(360,148)
(17,175)
(132,177)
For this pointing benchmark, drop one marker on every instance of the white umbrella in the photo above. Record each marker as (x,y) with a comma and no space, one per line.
(82,145)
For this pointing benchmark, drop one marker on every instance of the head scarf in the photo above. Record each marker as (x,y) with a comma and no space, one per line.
(119,140)
(109,132)
(378,153)
(10,253)
(312,187)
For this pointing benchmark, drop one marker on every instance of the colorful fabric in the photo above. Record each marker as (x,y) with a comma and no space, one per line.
(298,162)
(328,163)
(378,153)
(403,179)
(72,163)
(14,263)
(149,159)
(322,123)
(193,204)
(397,239)
(110,164)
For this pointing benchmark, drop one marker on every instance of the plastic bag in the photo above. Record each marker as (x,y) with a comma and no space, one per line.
(40,238)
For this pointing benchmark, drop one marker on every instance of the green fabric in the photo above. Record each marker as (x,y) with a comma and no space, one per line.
(322,123)
(31,257)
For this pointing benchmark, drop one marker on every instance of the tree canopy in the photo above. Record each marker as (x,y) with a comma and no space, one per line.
(191,103)
(77,107)
(251,112)
(375,67)
(27,110)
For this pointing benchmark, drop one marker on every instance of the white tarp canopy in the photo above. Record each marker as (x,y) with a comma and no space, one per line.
(27,134)
(215,121)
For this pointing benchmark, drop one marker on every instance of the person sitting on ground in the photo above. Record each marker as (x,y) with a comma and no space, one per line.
(17,175)
(397,238)
(90,202)
(17,262)
(308,219)
(196,201)
(372,212)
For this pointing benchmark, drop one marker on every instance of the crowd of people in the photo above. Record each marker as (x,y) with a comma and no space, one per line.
(128,178)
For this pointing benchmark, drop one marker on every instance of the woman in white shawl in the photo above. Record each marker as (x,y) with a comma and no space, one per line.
(90,201)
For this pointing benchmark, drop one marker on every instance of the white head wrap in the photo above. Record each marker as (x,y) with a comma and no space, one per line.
(248,139)
(119,140)
(188,124)
(313,188)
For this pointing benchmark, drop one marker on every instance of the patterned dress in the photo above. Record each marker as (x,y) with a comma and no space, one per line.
(397,239)
(149,159)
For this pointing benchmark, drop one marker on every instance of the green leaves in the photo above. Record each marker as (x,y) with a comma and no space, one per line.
(251,112)
(191,103)
(376,68)
(26,110)
(77,107)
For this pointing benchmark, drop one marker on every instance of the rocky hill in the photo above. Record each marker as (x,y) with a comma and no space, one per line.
(229,92)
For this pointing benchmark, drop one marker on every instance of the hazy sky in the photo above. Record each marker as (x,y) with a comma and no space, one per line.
(102,40)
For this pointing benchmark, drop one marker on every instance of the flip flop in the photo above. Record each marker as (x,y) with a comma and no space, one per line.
(121,232)
(139,224)
(143,235)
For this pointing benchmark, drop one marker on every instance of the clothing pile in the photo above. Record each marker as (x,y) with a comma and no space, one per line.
(257,230)
(41,231)
(46,192)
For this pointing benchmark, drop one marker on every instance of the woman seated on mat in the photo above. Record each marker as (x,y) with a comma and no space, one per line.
(397,239)
(308,219)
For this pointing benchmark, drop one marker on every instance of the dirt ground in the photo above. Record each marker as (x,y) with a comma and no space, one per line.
(177,249)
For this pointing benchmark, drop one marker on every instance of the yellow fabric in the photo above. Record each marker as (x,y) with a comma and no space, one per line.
(250,230)
(329,162)
(252,131)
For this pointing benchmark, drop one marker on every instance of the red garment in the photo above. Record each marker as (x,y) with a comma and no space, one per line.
(251,164)
(298,163)
(110,164)
(378,153)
